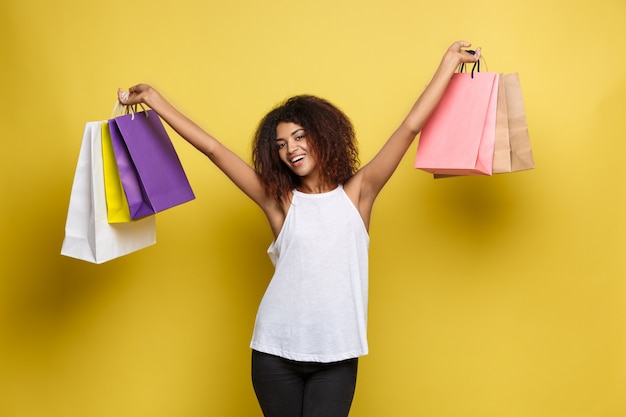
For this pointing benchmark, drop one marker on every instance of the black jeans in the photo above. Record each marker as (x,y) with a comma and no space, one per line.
(287,388)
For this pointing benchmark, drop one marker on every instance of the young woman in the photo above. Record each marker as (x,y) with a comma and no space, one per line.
(311,324)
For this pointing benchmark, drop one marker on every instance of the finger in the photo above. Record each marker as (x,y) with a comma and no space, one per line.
(122,95)
(477,54)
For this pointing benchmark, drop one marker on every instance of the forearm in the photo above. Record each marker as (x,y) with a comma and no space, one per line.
(184,126)
(428,100)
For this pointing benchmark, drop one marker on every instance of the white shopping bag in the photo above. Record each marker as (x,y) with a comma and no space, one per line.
(88,234)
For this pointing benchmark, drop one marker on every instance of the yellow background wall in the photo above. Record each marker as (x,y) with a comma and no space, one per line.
(490,297)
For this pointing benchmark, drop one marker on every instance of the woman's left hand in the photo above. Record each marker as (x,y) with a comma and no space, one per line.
(457,53)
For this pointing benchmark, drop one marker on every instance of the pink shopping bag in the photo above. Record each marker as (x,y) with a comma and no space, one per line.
(458,138)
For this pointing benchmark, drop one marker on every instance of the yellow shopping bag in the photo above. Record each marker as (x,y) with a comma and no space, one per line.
(117,205)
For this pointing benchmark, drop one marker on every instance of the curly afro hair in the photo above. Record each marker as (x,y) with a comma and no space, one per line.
(330,135)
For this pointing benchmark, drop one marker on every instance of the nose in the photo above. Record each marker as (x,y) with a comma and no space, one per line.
(292,145)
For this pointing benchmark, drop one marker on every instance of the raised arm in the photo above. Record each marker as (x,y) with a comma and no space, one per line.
(232,165)
(370,179)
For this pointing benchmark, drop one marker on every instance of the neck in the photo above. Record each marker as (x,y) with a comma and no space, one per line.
(315,187)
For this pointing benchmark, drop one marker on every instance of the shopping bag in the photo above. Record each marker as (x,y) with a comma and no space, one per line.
(512,151)
(458,138)
(117,205)
(151,173)
(502,147)
(512,148)
(519,140)
(88,234)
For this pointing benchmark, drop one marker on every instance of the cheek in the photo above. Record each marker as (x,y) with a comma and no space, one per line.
(311,152)
(281,155)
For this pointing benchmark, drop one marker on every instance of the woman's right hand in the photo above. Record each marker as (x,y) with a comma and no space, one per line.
(137,94)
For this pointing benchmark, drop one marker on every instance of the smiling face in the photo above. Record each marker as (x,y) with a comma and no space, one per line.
(294,150)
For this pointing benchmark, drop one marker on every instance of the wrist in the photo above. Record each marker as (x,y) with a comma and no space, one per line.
(451,61)
(151,97)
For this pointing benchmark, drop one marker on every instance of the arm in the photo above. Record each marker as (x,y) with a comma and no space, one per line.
(232,165)
(374,175)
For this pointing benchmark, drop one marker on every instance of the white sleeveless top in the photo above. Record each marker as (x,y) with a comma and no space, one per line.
(315,307)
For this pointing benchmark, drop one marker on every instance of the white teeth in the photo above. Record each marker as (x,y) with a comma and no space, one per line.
(297,158)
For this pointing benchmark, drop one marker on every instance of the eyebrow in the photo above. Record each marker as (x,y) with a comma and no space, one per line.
(292,133)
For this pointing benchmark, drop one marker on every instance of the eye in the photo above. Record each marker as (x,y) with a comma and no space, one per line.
(300,137)
(280,145)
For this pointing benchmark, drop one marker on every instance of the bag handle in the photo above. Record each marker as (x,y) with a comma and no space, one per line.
(120,109)
(476,66)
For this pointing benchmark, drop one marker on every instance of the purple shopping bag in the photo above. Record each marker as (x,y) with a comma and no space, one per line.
(152,175)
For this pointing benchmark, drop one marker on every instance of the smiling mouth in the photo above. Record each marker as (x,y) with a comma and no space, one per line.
(297,159)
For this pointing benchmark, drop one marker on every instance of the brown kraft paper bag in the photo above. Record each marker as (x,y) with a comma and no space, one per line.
(519,149)
(502,147)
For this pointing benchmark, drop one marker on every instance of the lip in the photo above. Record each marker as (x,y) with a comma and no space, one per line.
(297,160)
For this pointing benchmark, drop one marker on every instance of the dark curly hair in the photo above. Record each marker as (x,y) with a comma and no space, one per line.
(329,134)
